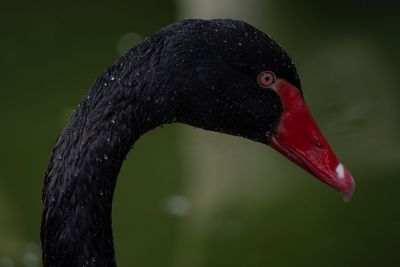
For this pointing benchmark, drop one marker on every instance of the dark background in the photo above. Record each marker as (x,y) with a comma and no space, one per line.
(186,197)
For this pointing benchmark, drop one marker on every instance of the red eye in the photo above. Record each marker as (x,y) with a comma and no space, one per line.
(266,79)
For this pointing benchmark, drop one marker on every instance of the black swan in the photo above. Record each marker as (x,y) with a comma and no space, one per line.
(218,75)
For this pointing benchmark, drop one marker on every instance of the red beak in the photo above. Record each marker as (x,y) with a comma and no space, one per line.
(300,140)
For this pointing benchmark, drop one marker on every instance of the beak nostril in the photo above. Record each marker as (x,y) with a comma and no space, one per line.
(318,145)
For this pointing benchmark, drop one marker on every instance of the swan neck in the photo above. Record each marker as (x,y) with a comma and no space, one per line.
(80,180)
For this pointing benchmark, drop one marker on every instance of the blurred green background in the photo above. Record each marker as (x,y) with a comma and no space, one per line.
(190,198)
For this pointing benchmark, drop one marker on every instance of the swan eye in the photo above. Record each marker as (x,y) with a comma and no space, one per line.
(266,79)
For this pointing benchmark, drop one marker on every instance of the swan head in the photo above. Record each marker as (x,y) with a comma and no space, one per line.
(233,78)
